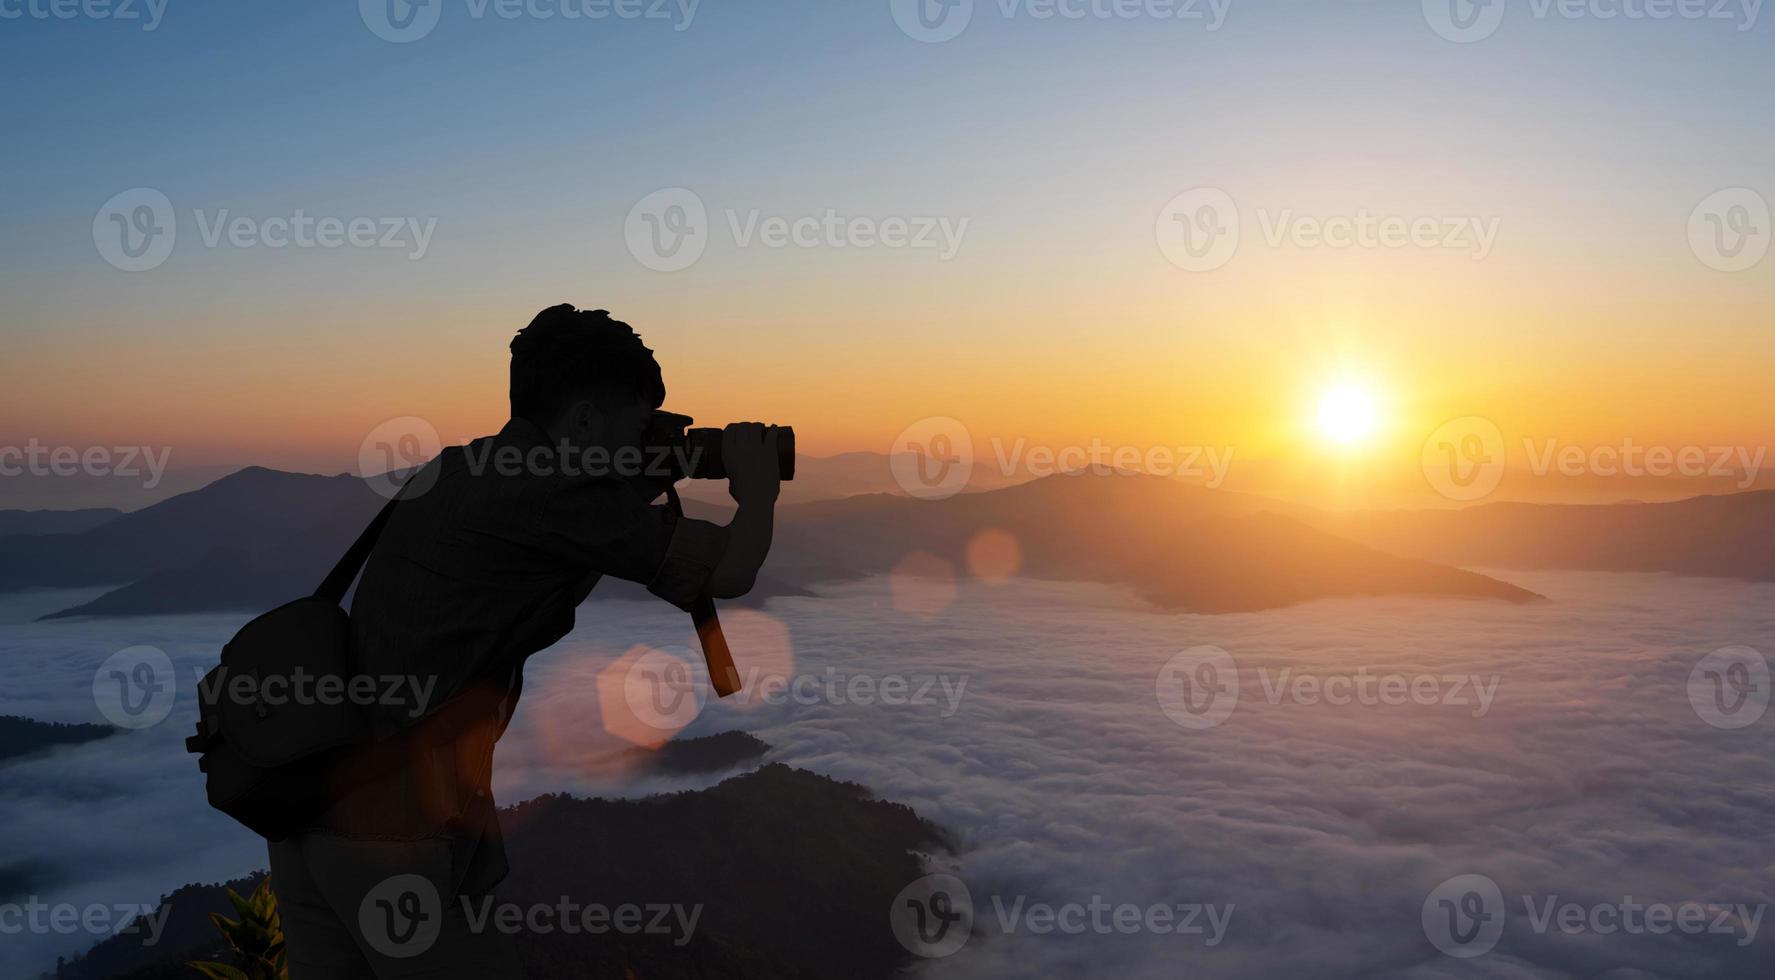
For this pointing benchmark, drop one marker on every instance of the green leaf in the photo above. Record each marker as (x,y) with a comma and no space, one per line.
(217,971)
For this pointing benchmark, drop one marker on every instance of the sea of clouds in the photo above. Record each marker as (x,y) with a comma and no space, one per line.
(1043,746)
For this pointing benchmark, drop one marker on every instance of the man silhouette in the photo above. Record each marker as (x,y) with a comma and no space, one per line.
(483,562)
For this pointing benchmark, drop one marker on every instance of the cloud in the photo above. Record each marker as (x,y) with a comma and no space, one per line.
(1590,778)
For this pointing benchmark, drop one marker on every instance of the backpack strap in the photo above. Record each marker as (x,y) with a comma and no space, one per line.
(339,580)
(343,574)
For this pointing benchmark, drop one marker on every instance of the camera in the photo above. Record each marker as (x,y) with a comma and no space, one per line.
(696,453)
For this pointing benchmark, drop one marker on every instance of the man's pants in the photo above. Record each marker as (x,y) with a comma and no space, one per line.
(356,909)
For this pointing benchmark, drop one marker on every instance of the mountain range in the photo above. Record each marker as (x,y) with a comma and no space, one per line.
(259,537)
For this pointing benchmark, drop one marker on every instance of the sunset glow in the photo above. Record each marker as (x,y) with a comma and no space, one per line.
(1347,415)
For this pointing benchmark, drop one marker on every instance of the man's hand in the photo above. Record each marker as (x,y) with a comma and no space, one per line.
(749,451)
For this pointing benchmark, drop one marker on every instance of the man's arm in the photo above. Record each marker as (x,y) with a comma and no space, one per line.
(749,450)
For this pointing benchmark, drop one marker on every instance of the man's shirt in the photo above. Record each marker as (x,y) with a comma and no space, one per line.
(483,562)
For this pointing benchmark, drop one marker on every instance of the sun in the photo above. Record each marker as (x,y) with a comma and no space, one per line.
(1346,415)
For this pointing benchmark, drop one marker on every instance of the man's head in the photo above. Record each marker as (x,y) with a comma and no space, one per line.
(584,378)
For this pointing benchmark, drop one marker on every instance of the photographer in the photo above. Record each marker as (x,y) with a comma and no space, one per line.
(477,568)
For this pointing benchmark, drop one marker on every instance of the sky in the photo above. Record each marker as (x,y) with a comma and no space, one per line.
(1033,166)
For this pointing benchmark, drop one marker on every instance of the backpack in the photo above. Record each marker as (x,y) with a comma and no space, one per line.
(274,761)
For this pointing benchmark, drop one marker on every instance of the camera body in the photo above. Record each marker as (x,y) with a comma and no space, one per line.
(696,453)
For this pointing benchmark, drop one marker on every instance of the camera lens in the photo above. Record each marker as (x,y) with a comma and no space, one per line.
(703,454)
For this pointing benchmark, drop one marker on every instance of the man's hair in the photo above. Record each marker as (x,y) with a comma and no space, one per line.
(567,354)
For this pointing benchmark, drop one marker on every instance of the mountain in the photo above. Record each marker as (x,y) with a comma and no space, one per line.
(252,513)
(1182,547)
(25,736)
(794,873)
(1722,536)
(39,488)
(708,754)
(54,521)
